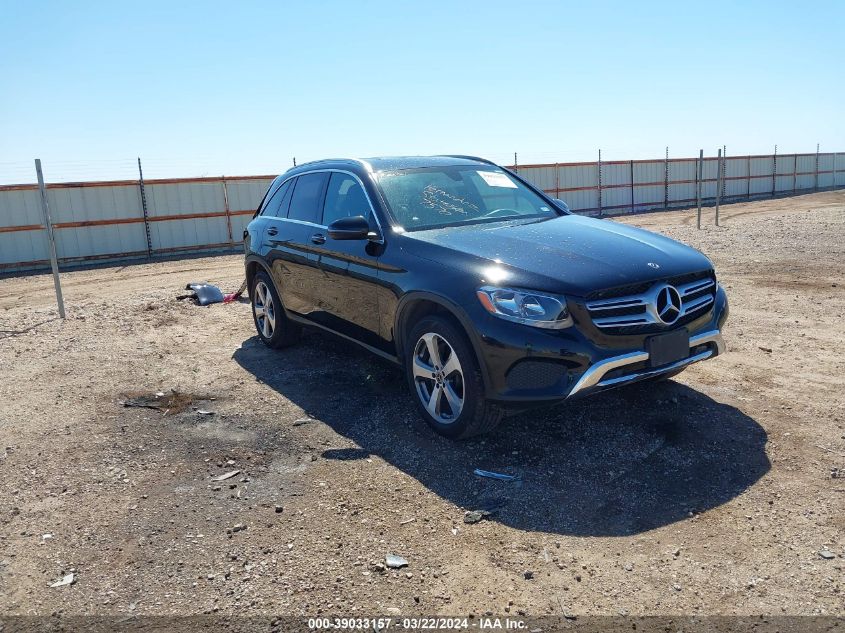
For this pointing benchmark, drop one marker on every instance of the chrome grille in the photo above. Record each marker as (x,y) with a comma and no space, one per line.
(641,309)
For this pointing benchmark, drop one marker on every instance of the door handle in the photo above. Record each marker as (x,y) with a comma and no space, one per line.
(318,238)
(272,231)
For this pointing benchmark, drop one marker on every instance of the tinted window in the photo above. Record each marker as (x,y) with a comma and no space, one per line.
(307,196)
(277,205)
(344,198)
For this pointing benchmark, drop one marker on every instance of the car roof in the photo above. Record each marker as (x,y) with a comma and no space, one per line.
(390,163)
(412,162)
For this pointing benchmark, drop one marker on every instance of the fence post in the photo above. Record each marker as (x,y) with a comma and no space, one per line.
(774,170)
(226,208)
(794,173)
(557,180)
(632,186)
(515,164)
(834,171)
(724,171)
(698,174)
(718,184)
(666,181)
(817,168)
(748,180)
(144,207)
(48,224)
(598,167)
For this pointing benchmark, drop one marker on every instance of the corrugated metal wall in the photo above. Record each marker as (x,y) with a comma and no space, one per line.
(105,220)
(626,186)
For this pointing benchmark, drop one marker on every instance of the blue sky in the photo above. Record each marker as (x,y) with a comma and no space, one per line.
(236,88)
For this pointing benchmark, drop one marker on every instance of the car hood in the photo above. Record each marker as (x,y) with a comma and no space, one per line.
(570,254)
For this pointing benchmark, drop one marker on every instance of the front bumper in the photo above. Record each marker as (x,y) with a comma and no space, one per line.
(522,364)
(594,378)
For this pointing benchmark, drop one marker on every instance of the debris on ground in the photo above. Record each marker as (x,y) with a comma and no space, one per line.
(204,293)
(489,474)
(226,476)
(68,579)
(173,402)
(232,296)
(474,516)
(302,421)
(395,562)
(827,554)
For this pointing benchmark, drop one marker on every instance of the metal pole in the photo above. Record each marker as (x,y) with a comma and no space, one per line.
(774,171)
(632,186)
(666,180)
(817,168)
(598,166)
(834,171)
(226,207)
(515,164)
(144,207)
(698,175)
(294,161)
(748,180)
(54,260)
(718,184)
(557,181)
(794,173)
(724,171)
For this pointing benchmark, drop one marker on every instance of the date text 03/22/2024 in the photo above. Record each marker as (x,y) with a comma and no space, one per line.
(417,624)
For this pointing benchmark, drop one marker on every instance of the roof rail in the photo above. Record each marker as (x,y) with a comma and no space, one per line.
(363,163)
(478,158)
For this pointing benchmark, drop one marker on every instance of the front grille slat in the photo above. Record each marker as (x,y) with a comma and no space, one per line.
(618,313)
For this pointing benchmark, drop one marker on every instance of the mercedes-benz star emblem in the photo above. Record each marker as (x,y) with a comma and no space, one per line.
(668,304)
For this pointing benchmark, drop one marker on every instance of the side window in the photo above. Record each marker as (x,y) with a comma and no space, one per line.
(275,206)
(307,197)
(344,198)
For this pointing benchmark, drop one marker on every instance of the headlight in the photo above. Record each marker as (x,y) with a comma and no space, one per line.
(524,306)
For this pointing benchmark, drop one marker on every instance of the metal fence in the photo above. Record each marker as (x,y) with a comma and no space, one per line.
(132,219)
(116,220)
(625,186)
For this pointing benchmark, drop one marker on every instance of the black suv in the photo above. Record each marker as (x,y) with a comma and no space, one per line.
(490,294)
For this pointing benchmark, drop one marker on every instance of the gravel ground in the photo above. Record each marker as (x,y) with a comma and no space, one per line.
(720,492)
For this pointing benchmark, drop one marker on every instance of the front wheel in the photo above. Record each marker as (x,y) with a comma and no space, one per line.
(445,380)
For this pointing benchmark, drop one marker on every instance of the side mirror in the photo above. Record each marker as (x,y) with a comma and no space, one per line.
(562,205)
(354,228)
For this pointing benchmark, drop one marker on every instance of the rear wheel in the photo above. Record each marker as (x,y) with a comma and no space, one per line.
(273,327)
(445,380)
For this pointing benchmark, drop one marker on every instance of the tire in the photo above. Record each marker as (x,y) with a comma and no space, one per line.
(453,369)
(274,328)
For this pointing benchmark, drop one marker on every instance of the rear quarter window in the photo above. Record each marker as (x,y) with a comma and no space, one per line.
(277,205)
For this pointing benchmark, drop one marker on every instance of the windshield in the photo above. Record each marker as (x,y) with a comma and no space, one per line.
(436,197)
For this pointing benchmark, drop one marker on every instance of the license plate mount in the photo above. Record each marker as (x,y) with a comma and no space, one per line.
(668,348)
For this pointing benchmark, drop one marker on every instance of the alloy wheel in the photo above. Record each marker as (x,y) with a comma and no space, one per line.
(265,312)
(438,378)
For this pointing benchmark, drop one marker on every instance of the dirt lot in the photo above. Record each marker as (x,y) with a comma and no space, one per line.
(720,492)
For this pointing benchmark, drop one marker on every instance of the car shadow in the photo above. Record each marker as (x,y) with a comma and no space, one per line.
(616,464)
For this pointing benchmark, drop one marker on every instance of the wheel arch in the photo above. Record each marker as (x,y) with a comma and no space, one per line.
(419,304)
(253,265)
